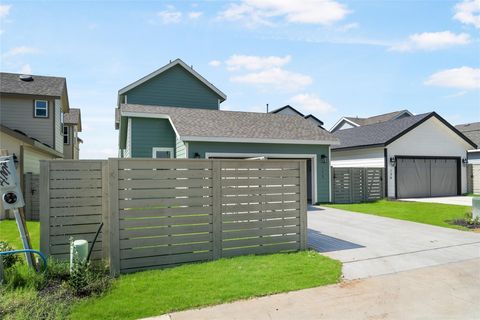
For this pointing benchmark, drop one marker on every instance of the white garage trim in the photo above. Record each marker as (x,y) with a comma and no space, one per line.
(313,158)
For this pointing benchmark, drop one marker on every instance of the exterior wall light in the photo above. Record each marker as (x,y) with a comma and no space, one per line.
(393,161)
(465,161)
(323,158)
(196,155)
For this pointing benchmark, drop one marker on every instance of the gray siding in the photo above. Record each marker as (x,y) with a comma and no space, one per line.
(148,133)
(17,113)
(175,87)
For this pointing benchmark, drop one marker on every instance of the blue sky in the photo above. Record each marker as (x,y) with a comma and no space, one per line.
(329,58)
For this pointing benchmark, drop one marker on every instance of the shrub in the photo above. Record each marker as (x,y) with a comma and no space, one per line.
(88,278)
(10,259)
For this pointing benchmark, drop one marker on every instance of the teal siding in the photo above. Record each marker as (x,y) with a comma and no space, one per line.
(148,133)
(181,150)
(323,186)
(175,87)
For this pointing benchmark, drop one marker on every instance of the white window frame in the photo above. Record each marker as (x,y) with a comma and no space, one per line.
(155,149)
(67,134)
(35,109)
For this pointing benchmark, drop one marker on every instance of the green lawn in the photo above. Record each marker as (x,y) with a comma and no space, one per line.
(152,293)
(430,213)
(9,232)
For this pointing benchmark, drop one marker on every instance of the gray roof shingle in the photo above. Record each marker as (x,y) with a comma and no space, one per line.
(375,119)
(73,117)
(40,85)
(192,122)
(471,130)
(375,134)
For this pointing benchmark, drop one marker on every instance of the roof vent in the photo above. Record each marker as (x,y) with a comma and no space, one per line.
(26,77)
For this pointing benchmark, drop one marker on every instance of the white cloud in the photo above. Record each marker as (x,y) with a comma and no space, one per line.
(464,78)
(276,77)
(4,10)
(195,14)
(25,69)
(262,12)
(19,51)
(215,63)
(311,103)
(237,62)
(170,15)
(468,12)
(432,41)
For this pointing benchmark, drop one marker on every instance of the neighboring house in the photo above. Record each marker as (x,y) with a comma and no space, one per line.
(353,122)
(289,110)
(472,131)
(423,155)
(72,125)
(31,128)
(174,113)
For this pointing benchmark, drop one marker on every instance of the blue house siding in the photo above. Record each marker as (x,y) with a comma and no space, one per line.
(176,87)
(323,185)
(148,133)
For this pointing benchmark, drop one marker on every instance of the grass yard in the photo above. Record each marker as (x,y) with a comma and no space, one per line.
(430,213)
(152,293)
(9,232)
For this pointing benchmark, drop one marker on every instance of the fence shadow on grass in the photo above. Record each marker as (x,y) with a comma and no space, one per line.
(323,243)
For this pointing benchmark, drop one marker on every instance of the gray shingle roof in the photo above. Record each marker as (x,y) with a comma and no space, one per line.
(73,117)
(41,85)
(192,122)
(375,119)
(376,134)
(471,130)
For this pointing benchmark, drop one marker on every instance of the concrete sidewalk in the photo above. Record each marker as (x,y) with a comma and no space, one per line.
(457,200)
(449,291)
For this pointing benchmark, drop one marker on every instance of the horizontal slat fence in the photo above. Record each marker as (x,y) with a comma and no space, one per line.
(160,212)
(71,205)
(354,185)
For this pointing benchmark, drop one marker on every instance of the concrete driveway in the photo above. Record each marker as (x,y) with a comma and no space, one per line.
(370,245)
(460,200)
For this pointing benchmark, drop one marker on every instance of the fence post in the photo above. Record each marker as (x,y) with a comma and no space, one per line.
(217,209)
(44,207)
(27,194)
(105,212)
(303,204)
(114,231)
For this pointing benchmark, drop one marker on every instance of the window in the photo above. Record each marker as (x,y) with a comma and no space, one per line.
(162,153)
(66,135)
(41,109)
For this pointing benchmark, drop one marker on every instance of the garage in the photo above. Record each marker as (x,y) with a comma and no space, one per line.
(427,177)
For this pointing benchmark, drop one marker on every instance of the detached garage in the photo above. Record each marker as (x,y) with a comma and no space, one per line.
(422,155)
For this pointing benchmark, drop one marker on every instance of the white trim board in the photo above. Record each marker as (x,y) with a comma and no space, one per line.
(313,157)
(155,149)
(165,68)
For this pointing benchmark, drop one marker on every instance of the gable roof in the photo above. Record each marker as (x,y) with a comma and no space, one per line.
(287,107)
(167,67)
(384,133)
(279,110)
(39,85)
(73,117)
(471,130)
(233,126)
(30,141)
(356,121)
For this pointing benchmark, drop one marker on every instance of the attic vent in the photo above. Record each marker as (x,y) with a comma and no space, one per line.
(26,77)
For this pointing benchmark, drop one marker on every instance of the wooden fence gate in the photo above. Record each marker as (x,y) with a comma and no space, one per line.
(353,185)
(161,213)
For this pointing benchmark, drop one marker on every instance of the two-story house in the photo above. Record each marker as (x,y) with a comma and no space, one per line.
(31,119)
(72,125)
(174,112)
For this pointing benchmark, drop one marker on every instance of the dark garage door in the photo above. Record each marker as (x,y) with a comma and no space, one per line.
(427,177)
